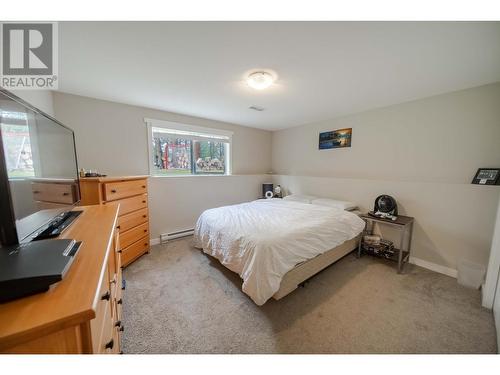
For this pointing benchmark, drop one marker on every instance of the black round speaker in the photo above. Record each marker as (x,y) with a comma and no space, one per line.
(267,187)
(386,204)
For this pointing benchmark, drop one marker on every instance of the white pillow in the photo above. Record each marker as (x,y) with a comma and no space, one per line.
(300,198)
(343,205)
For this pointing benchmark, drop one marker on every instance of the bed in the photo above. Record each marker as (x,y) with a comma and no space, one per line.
(276,244)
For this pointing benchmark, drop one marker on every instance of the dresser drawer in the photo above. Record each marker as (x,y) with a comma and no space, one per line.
(128,205)
(107,342)
(119,263)
(53,192)
(135,250)
(112,275)
(119,306)
(119,281)
(112,263)
(117,313)
(117,347)
(116,248)
(132,219)
(129,237)
(123,189)
(102,312)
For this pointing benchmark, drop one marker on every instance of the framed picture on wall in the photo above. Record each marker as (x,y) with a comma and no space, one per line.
(335,139)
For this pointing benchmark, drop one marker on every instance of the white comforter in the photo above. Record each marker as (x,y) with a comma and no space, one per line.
(264,239)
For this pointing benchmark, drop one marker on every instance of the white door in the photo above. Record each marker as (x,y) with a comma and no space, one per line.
(496,311)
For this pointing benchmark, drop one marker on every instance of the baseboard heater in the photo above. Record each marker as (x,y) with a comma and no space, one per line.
(173,235)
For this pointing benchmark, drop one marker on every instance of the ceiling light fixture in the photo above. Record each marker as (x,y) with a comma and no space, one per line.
(260,80)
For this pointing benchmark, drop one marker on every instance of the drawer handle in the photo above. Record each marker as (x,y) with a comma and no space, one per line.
(113,190)
(119,251)
(119,302)
(143,201)
(144,186)
(118,323)
(145,230)
(145,244)
(118,227)
(36,191)
(106,296)
(144,216)
(110,344)
(65,194)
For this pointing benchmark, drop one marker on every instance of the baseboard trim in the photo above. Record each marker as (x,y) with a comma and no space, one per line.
(434,267)
(157,241)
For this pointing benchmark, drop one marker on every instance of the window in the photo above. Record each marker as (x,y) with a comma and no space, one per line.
(17,144)
(183,150)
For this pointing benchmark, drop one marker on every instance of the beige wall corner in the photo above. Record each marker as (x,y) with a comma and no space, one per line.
(424,153)
(112,138)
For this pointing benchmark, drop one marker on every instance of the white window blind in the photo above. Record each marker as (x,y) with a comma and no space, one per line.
(186,134)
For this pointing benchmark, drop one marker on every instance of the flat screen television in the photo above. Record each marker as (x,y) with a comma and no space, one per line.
(38,170)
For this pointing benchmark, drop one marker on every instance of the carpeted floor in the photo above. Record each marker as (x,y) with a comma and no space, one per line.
(179,300)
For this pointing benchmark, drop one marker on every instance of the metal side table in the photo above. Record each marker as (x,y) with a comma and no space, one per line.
(404,224)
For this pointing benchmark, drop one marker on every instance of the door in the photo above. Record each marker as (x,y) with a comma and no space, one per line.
(496,310)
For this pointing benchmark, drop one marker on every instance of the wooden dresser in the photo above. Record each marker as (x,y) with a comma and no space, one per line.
(59,191)
(82,313)
(131,192)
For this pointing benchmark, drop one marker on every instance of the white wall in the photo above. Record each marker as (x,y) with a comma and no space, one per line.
(41,99)
(424,153)
(112,138)
(453,221)
(177,202)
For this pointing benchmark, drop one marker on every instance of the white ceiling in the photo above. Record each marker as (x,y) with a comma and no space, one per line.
(325,69)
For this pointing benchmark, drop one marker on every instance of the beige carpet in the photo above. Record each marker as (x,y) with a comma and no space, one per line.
(179,300)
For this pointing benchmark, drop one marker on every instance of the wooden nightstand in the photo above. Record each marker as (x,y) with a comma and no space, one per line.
(404,224)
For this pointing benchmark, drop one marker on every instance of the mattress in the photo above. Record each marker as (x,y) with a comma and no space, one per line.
(264,239)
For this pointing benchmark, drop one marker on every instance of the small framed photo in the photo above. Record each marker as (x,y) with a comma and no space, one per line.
(335,139)
(487,176)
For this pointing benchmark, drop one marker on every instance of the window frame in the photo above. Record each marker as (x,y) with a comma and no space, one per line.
(32,126)
(153,123)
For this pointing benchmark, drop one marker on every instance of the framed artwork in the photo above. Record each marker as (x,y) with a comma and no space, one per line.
(335,139)
(487,176)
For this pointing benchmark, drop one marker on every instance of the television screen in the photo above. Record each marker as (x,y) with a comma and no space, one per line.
(39,170)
